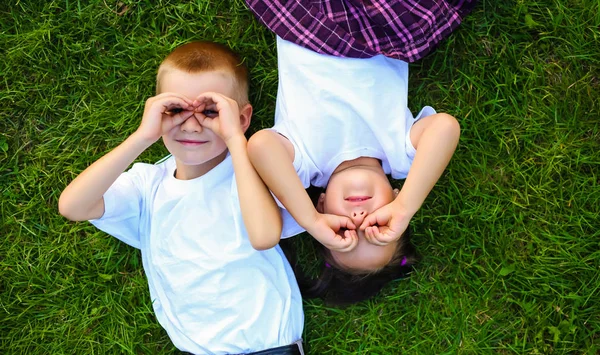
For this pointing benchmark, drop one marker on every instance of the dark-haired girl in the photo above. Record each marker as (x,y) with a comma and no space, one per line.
(342,123)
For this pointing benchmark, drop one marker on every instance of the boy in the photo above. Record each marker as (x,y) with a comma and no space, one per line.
(211,291)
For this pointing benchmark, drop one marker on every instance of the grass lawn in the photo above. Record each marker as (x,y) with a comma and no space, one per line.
(509,236)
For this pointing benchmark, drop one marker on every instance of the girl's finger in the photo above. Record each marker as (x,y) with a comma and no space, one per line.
(368,221)
(351,234)
(369,235)
(347,223)
(377,236)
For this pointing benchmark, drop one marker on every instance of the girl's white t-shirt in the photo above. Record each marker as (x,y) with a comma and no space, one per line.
(334,109)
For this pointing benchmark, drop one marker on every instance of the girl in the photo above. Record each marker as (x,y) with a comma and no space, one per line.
(342,123)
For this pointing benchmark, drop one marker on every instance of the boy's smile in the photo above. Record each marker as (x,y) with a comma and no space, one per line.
(191,142)
(196,148)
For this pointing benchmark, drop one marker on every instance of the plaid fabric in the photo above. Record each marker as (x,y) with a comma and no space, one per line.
(401,29)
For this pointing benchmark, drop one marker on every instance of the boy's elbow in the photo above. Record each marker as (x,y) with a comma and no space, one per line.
(74,212)
(264,244)
(265,241)
(266,235)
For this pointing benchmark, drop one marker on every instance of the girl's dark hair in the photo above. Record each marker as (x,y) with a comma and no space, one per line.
(339,287)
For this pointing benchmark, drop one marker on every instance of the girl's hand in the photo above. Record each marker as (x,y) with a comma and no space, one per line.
(334,232)
(162,113)
(220,114)
(386,224)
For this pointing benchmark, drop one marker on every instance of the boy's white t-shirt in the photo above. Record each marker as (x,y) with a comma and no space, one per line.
(211,291)
(334,109)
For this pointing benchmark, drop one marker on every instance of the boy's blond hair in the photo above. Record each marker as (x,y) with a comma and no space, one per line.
(204,56)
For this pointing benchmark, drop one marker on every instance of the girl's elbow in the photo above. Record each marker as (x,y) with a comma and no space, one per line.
(259,144)
(65,209)
(449,127)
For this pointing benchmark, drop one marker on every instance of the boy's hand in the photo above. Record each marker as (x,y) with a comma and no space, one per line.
(162,113)
(385,224)
(220,114)
(327,229)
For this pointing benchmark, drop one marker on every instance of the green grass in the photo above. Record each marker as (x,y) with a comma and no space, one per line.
(509,236)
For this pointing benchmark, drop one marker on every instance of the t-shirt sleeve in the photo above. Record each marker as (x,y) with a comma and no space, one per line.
(290,226)
(123,203)
(299,164)
(425,111)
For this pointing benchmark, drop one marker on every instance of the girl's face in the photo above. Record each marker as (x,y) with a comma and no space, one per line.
(355,191)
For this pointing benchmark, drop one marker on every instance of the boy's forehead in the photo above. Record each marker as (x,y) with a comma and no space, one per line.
(193,84)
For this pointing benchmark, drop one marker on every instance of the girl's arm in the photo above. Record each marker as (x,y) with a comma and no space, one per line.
(272,155)
(435,138)
(82,198)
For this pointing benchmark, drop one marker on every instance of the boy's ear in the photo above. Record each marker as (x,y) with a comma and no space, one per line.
(245,116)
(320,203)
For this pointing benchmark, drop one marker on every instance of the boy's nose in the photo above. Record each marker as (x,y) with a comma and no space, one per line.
(357,216)
(191,125)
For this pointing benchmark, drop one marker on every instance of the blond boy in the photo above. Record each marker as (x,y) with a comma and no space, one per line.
(192,217)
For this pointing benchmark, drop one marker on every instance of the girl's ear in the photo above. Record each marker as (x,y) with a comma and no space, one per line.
(245,115)
(395,193)
(320,203)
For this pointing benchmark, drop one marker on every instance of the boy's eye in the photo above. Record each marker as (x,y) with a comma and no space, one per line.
(209,113)
(174,111)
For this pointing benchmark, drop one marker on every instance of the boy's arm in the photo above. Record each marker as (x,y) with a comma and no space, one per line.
(272,155)
(83,198)
(435,138)
(259,211)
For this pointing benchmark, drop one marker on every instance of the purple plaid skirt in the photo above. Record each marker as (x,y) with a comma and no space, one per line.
(401,29)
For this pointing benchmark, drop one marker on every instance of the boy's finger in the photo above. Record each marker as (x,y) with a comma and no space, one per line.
(172,105)
(210,97)
(167,95)
(181,117)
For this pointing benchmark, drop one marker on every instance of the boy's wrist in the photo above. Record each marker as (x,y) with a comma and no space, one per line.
(140,140)
(236,142)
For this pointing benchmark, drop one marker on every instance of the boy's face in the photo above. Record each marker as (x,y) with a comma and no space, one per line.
(194,146)
(355,192)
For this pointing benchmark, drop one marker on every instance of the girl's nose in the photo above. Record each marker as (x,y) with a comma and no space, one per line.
(357,216)
(191,125)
